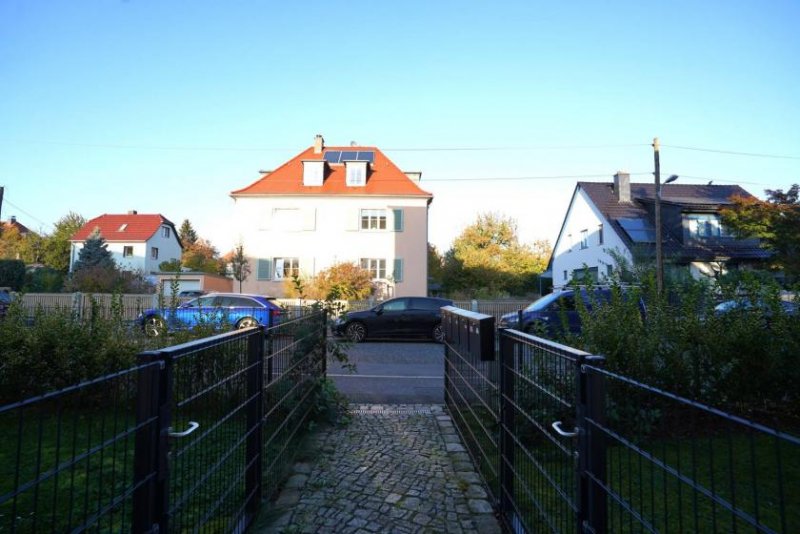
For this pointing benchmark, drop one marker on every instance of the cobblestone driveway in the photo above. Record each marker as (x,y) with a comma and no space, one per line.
(395,468)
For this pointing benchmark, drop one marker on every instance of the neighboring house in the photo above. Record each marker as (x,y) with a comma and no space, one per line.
(619,216)
(335,204)
(137,242)
(13,223)
(194,281)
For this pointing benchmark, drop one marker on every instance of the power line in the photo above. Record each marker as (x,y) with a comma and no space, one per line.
(732,152)
(554,177)
(510,148)
(25,212)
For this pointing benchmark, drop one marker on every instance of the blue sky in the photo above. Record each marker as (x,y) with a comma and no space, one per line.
(167,106)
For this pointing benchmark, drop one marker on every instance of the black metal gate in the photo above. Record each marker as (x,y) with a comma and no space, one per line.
(564,445)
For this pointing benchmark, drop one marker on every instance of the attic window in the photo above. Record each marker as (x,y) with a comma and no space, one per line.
(313,172)
(122,227)
(356,173)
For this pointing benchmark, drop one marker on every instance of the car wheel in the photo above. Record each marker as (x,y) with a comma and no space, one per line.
(356,332)
(154,326)
(438,333)
(247,322)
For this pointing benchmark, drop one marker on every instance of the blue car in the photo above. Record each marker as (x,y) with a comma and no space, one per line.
(220,309)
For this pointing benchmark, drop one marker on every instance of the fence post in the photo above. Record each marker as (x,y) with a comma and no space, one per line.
(592,509)
(268,351)
(153,415)
(507,426)
(324,343)
(255,414)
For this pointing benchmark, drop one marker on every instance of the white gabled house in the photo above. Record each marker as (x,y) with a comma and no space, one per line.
(137,242)
(619,216)
(335,204)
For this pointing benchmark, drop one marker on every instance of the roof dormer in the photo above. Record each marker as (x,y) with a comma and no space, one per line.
(356,173)
(313,172)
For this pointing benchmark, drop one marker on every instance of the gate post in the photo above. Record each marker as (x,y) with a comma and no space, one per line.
(592,506)
(255,414)
(324,343)
(153,417)
(269,349)
(507,426)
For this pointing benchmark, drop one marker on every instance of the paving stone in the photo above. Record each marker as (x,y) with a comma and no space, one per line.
(395,468)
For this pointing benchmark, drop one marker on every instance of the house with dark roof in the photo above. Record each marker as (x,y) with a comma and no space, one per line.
(137,242)
(330,205)
(620,216)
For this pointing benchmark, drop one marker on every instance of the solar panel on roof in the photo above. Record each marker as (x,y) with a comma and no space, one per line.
(332,156)
(366,156)
(348,155)
(639,230)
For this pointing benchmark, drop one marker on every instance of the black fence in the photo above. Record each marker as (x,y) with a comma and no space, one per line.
(563,445)
(191,439)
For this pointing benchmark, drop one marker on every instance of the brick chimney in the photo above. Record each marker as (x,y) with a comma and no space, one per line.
(622,186)
(319,144)
(133,212)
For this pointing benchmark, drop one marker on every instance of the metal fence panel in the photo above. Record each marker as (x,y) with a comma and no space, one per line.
(67,457)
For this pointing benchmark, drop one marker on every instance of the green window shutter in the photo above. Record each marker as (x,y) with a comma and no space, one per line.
(264,271)
(398,220)
(398,270)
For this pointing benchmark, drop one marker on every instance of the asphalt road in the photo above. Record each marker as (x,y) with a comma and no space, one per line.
(392,373)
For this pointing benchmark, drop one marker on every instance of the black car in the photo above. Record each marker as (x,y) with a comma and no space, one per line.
(403,317)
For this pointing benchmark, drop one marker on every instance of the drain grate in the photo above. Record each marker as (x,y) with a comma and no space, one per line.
(397,409)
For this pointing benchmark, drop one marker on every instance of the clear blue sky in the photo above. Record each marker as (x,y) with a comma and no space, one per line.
(167,106)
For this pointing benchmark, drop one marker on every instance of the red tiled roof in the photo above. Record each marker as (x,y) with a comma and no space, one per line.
(383,178)
(140,227)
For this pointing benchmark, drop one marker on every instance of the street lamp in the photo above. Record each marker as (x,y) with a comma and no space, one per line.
(659,240)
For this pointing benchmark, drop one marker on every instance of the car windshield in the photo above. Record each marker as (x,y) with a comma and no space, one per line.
(543,302)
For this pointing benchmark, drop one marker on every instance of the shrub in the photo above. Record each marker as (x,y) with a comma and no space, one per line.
(12,274)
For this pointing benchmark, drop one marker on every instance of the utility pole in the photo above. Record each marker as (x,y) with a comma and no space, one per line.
(1,207)
(659,251)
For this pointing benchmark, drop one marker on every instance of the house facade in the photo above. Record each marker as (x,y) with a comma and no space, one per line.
(608,219)
(137,242)
(330,205)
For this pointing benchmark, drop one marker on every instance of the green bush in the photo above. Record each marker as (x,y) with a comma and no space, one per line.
(12,274)
(744,360)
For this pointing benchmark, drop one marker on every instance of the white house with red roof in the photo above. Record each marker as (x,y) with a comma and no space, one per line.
(330,205)
(137,242)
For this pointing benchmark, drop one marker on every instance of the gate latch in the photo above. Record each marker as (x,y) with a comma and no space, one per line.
(563,433)
(193,425)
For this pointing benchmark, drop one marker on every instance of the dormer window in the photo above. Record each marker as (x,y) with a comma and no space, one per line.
(122,227)
(356,173)
(313,172)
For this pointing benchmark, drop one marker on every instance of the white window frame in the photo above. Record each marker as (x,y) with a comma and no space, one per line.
(283,268)
(710,223)
(584,239)
(154,253)
(165,232)
(355,173)
(127,251)
(373,220)
(375,266)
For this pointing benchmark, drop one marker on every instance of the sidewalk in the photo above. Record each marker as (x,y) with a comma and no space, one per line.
(394,468)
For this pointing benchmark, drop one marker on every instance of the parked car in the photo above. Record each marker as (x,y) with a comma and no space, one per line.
(745,304)
(556,312)
(236,309)
(6,299)
(401,317)
(189,293)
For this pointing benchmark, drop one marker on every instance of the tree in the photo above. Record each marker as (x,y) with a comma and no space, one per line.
(202,256)
(240,265)
(344,280)
(12,274)
(775,221)
(435,264)
(95,254)
(171,266)
(488,259)
(186,234)
(56,246)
